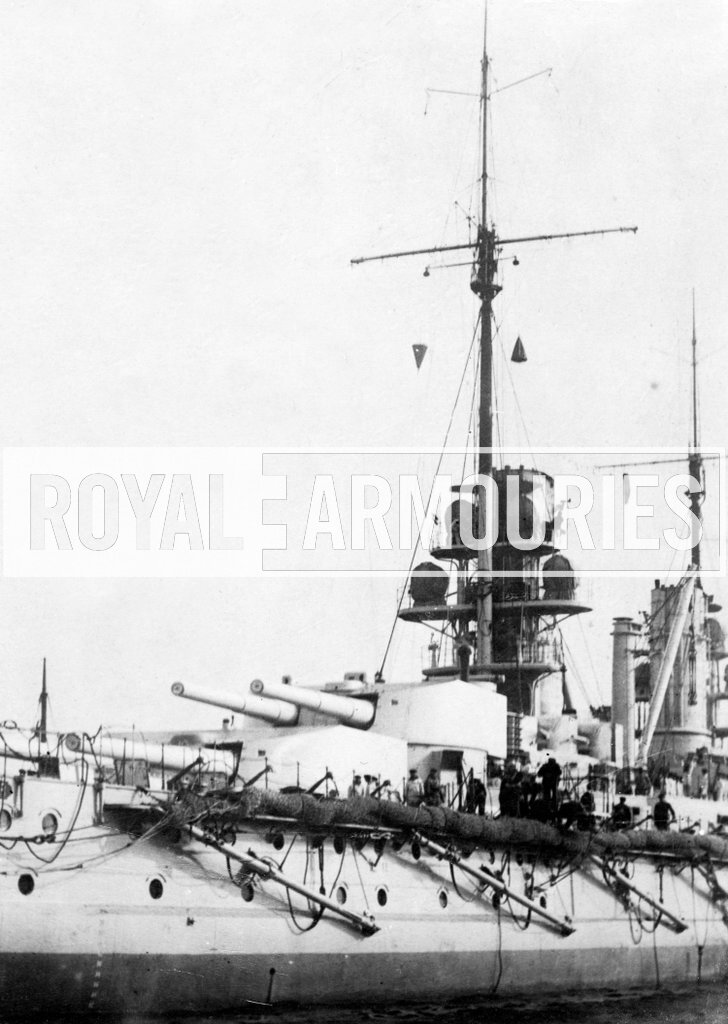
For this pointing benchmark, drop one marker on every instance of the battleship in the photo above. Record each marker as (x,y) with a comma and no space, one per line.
(468,833)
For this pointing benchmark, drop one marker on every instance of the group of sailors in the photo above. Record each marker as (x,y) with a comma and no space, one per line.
(522,795)
(430,792)
(699,777)
(416,792)
(663,814)
(526,795)
(697,781)
(537,796)
(371,786)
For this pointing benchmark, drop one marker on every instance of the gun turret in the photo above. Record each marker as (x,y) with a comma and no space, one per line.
(349,710)
(275,711)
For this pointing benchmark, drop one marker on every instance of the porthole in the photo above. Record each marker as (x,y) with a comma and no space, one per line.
(341,894)
(156,889)
(339,844)
(542,902)
(416,850)
(6,819)
(442,898)
(279,841)
(382,896)
(49,824)
(26,884)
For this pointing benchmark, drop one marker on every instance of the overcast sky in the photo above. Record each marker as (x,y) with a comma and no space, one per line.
(183,186)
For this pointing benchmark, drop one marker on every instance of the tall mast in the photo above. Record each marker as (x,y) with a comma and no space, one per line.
(695,380)
(44,708)
(695,462)
(486,248)
(486,270)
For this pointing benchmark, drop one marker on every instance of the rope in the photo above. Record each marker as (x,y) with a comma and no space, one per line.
(316,914)
(474,895)
(441,456)
(77,810)
(361,880)
(499,975)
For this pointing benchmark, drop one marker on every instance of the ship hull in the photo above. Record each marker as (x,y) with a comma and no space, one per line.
(125,912)
(216,952)
(205,983)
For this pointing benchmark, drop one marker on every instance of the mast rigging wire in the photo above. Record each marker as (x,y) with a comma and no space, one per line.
(415,548)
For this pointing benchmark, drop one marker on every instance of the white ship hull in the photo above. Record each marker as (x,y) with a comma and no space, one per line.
(90,935)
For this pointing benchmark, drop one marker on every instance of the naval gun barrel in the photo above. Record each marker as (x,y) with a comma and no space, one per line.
(134,748)
(275,711)
(349,710)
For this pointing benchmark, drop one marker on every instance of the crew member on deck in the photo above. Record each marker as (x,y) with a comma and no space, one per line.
(470,796)
(716,786)
(509,798)
(384,791)
(588,805)
(662,813)
(480,793)
(356,788)
(413,790)
(621,814)
(587,800)
(550,773)
(475,796)
(529,788)
(433,790)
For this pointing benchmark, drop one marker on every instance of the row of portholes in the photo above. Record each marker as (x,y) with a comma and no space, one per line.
(342,895)
(48,823)
(278,841)
(26,885)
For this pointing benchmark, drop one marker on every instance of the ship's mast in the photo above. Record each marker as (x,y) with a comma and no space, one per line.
(485,436)
(486,241)
(695,461)
(43,731)
(486,249)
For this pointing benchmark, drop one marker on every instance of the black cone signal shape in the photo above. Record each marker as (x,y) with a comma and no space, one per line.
(519,353)
(419,351)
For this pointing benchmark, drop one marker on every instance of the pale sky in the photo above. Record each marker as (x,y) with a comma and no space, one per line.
(183,186)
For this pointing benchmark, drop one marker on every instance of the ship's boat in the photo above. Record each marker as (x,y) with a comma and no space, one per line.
(469,834)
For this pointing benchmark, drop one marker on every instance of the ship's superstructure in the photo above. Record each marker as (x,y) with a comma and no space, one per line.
(377,841)
(668,690)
